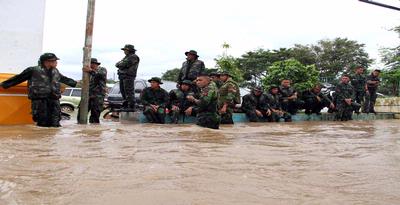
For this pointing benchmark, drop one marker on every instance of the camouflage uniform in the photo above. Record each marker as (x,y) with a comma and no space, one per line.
(228,93)
(97,92)
(127,69)
(311,102)
(177,97)
(206,107)
(370,98)
(290,106)
(190,70)
(358,81)
(251,103)
(275,104)
(344,110)
(44,92)
(158,97)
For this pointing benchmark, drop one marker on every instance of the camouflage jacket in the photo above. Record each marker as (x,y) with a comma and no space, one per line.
(158,97)
(97,85)
(310,95)
(228,93)
(208,99)
(286,92)
(370,85)
(190,70)
(358,81)
(42,82)
(344,91)
(274,101)
(178,98)
(252,102)
(128,65)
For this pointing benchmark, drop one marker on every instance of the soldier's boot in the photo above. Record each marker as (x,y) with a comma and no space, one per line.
(226,118)
(252,116)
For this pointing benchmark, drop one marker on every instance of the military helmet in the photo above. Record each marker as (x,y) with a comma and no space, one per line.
(156,79)
(129,47)
(187,82)
(94,61)
(48,56)
(193,52)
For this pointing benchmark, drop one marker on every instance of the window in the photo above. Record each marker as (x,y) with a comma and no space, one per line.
(67,92)
(76,93)
(115,89)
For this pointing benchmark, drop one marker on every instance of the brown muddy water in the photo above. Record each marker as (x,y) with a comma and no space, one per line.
(296,163)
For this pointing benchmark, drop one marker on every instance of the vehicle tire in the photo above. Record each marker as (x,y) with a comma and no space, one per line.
(67,108)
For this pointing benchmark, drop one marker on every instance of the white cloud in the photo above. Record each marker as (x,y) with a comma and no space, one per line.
(162,30)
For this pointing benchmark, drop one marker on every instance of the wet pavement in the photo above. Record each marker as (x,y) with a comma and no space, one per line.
(354,162)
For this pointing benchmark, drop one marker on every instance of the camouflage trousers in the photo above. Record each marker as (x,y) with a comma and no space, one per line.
(226,118)
(253,117)
(344,111)
(369,104)
(127,88)
(208,119)
(177,115)
(46,112)
(152,116)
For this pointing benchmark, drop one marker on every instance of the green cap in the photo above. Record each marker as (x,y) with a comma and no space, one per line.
(156,79)
(129,47)
(193,52)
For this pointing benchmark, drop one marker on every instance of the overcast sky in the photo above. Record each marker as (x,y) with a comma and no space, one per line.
(162,30)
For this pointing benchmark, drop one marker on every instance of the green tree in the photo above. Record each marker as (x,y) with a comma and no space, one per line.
(171,75)
(303,76)
(391,74)
(340,55)
(230,65)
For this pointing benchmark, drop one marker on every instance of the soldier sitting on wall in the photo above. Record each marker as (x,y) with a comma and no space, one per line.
(154,100)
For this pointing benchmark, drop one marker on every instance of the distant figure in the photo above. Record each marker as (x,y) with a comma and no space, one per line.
(373,82)
(97,90)
(315,100)
(344,98)
(274,103)
(229,96)
(178,104)
(191,68)
(255,105)
(127,69)
(288,97)
(154,100)
(359,82)
(44,89)
(206,104)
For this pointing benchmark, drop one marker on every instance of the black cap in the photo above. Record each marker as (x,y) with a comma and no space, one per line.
(273,86)
(187,82)
(94,61)
(157,79)
(129,47)
(48,57)
(193,52)
(257,88)
(377,70)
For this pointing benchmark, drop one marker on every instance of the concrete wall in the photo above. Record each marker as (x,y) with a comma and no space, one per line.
(388,104)
(21,33)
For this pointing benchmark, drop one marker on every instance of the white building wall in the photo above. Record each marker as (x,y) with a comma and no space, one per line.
(21,34)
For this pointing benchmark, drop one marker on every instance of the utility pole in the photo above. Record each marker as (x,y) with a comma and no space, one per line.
(87,53)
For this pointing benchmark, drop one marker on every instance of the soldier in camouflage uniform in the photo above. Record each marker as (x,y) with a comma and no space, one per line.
(229,96)
(155,101)
(97,90)
(288,97)
(358,81)
(372,86)
(255,105)
(127,69)
(215,78)
(344,98)
(206,104)
(178,103)
(44,85)
(191,68)
(315,100)
(274,103)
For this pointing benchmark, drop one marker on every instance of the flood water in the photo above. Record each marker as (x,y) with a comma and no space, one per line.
(276,163)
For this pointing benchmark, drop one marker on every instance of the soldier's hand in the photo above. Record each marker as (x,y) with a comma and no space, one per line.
(258,113)
(269,112)
(86,69)
(175,108)
(222,110)
(190,98)
(154,107)
(188,111)
(348,101)
(319,99)
(332,106)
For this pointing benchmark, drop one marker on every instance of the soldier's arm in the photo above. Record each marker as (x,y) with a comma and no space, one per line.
(100,74)
(67,81)
(230,98)
(144,98)
(246,105)
(206,98)
(17,79)
(128,62)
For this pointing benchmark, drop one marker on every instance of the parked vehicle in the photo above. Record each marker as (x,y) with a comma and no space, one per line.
(70,99)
